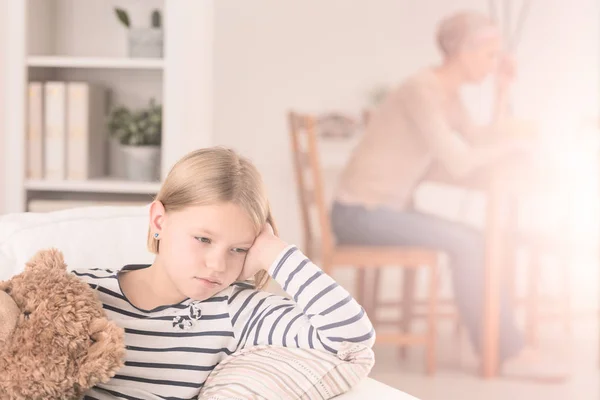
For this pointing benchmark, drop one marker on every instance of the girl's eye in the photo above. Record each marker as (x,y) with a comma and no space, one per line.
(203,239)
(238,250)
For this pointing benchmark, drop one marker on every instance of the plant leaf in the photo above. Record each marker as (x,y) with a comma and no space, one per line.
(136,128)
(122,16)
(156,19)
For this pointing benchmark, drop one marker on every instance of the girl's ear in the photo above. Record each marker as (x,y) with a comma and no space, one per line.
(157,217)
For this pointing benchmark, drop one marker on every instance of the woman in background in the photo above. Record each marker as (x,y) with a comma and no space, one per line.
(422,131)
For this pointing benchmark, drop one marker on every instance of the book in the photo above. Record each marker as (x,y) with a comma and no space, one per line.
(86,132)
(55,130)
(35,131)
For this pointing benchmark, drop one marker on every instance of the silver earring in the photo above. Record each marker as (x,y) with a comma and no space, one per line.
(156,235)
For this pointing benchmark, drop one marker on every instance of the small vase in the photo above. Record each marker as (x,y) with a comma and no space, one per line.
(145,43)
(142,163)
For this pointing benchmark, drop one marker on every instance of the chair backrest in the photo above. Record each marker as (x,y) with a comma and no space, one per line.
(306,130)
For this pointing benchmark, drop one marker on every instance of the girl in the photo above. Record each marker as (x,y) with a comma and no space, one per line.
(200,300)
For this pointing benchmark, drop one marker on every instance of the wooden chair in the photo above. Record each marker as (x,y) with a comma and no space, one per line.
(538,244)
(311,191)
(411,308)
(538,247)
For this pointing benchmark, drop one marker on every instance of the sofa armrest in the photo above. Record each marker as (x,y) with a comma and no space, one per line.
(372,389)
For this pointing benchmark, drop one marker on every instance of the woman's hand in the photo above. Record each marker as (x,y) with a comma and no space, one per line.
(505,73)
(262,254)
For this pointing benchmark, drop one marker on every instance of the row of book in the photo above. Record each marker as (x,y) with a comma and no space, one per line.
(66,131)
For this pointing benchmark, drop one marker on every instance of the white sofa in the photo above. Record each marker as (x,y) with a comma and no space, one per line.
(105,237)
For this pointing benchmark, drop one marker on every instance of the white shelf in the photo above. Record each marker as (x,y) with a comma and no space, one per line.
(104,185)
(95,62)
(45,37)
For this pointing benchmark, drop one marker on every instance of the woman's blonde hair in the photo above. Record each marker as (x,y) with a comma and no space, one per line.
(462,29)
(216,175)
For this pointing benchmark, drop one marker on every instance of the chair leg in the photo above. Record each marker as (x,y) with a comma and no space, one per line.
(361,275)
(512,249)
(566,300)
(408,299)
(431,363)
(458,327)
(511,274)
(374,296)
(368,291)
(533,298)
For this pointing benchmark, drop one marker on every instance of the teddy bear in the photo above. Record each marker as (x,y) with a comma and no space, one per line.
(55,339)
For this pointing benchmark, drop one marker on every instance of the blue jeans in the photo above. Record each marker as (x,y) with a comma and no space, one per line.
(356,225)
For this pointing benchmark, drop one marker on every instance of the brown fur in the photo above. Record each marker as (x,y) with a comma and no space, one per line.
(9,315)
(66,345)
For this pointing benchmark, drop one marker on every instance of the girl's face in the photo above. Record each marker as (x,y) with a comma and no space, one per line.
(202,248)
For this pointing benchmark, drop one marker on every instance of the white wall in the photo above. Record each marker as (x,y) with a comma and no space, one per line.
(2,98)
(273,56)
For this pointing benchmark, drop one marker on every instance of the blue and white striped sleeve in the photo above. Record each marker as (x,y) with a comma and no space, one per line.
(320,314)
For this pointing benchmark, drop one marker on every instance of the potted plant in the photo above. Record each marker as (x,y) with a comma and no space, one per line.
(143,41)
(139,134)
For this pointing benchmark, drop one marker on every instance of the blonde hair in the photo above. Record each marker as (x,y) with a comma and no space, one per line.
(463,28)
(216,175)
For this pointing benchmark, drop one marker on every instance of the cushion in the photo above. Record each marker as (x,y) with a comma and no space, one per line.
(274,372)
(90,237)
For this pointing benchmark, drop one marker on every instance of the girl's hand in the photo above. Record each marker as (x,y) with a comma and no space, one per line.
(262,254)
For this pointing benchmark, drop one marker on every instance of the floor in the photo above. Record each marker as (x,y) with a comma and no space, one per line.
(457,377)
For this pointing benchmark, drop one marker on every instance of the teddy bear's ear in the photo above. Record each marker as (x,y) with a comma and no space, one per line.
(47,259)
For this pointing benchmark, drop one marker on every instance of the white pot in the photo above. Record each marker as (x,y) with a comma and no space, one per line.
(142,163)
(145,42)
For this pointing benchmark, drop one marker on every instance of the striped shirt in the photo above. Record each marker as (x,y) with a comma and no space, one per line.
(171,350)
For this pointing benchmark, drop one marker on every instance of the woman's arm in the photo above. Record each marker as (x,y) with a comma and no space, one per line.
(494,130)
(502,124)
(319,313)
(453,151)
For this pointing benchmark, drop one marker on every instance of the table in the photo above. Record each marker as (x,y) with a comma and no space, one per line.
(504,186)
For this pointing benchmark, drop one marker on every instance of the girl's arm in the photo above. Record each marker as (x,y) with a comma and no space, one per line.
(319,314)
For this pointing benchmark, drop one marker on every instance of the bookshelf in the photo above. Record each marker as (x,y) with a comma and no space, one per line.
(74,41)
(94,62)
(104,185)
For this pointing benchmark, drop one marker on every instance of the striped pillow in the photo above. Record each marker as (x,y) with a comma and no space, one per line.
(273,372)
